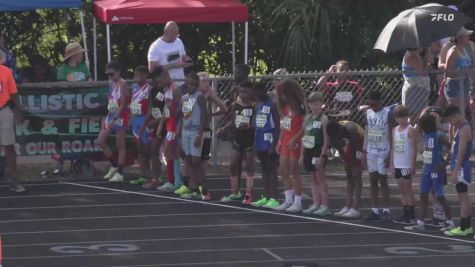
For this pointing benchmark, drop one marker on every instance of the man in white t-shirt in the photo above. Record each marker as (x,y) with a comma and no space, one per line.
(168,51)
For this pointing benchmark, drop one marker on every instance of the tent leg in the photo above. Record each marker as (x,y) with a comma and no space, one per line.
(84,37)
(108,42)
(94,29)
(246,37)
(233,34)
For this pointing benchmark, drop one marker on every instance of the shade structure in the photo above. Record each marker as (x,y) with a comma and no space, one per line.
(22,5)
(161,11)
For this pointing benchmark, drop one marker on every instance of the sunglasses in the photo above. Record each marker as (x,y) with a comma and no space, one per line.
(110,74)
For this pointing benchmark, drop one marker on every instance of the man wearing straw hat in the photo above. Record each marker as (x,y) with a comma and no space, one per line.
(74,69)
(8,94)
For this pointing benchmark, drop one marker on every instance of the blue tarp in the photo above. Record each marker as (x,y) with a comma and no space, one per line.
(21,5)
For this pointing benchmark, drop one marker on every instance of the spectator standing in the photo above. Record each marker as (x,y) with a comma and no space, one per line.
(74,69)
(8,94)
(168,52)
(39,72)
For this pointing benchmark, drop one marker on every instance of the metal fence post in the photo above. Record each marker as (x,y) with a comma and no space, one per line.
(214,139)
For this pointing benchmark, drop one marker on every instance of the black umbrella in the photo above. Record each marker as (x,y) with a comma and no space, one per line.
(420,26)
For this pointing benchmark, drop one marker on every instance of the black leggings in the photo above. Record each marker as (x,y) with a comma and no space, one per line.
(269,164)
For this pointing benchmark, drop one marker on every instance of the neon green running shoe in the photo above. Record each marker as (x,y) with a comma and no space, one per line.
(182,190)
(231,197)
(459,232)
(193,195)
(261,202)
(271,203)
(138,181)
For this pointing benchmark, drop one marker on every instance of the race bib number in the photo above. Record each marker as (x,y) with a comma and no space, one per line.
(359,155)
(460,176)
(315,160)
(344,96)
(308,141)
(375,136)
(266,109)
(261,120)
(246,112)
(400,148)
(268,137)
(160,96)
(136,108)
(166,112)
(206,135)
(434,175)
(170,136)
(188,106)
(119,122)
(112,106)
(286,123)
(240,119)
(427,157)
(317,125)
(156,113)
(405,172)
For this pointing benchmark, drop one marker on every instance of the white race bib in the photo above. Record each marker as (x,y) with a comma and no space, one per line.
(188,106)
(286,123)
(156,113)
(240,119)
(112,106)
(317,125)
(266,109)
(119,122)
(166,112)
(344,96)
(136,108)
(206,135)
(308,141)
(315,160)
(405,172)
(427,157)
(160,96)
(170,136)
(400,147)
(375,135)
(247,112)
(268,137)
(261,120)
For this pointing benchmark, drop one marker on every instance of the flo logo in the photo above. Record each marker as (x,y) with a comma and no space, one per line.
(442,17)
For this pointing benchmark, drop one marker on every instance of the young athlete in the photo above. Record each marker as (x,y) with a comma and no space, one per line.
(212,100)
(403,158)
(433,171)
(291,103)
(266,134)
(461,168)
(193,107)
(139,107)
(171,116)
(242,142)
(315,144)
(116,120)
(376,153)
(348,137)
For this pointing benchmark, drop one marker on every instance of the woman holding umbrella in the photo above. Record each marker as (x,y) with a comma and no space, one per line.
(458,81)
(416,88)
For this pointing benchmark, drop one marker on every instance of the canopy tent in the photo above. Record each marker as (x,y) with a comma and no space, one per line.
(162,11)
(25,5)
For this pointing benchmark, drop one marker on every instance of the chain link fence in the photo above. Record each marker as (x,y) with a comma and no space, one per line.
(344,94)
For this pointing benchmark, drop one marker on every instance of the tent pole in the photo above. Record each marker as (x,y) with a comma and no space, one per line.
(233,34)
(84,38)
(94,29)
(246,37)
(108,42)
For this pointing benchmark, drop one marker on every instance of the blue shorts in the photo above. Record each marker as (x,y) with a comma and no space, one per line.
(137,123)
(465,174)
(433,181)
(188,143)
(453,88)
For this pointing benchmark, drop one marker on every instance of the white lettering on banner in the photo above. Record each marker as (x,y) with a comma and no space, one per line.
(21,128)
(85,125)
(442,17)
(38,103)
(40,148)
(78,146)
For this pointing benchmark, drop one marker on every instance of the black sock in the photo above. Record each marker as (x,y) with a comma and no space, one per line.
(412,212)
(465,223)
(186,180)
(405,212)
(114,162)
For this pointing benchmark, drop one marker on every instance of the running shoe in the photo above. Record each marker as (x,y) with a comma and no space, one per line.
(458,232)
(322,211)
(192,195)
(206,197)
(152,184)
(272,203)
(282,207)
(372,217)
(138,181)
(351,214)
(182,190)
(386,216)
(419,226)
(403,220)
(167,187)
(342,211)
(294,208)
(117,178)
(17,188)
(231,197)
(247,200)
(261,202)
(311,209)
(447,225)
(110,173)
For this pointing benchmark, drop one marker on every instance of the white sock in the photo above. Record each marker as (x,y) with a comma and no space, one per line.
(289,195)
(374,210)
(298,201)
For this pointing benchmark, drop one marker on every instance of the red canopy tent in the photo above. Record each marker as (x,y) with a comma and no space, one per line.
(162,11)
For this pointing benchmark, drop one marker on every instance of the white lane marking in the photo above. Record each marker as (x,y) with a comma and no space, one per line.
(272,254)
(277,213)
(60,195)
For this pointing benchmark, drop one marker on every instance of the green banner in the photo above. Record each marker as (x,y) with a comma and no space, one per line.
(60,120)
